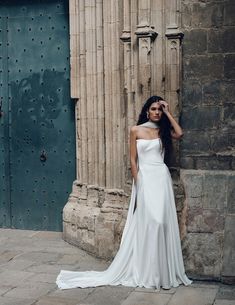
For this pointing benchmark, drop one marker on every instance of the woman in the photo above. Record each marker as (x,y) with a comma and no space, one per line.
(150,252)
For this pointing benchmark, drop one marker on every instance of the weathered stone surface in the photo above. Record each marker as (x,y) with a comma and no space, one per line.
(142,298)
(205,66)
(43,278)
(221,40)
(195,141)
(197,296)
(200,118)
(179,195)
(96,227)
(206,15)
(16,264)
(215,85)
(7,256)
(211,187)
(207,207)
(47,300)
(13,301)
(228,269)
(229,61)
(39,257)
(72,294)
(228,91)
(229,114)
(218,141)
(192,92)
(92,296)
(108,295)
(12,277)
(30,291)
(4,289)
(226,292)
(202,254)
(229,13)
(195,42)
(224,302)
(205,220)
(193,183)
(231,194)
(213,162)
(215,186)
(187,162)
(212,92)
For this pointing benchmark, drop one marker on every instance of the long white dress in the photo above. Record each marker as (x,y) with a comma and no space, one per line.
(150,252)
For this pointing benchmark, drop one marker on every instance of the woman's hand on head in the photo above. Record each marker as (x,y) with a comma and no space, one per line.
(165,106)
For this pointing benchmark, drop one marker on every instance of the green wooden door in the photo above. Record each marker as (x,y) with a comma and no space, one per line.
(37,126)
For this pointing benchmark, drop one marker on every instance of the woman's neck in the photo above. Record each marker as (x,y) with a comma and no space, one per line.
(150,124)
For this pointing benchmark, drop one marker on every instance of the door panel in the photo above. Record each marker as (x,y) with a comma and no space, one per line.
(5,218)
(41,113)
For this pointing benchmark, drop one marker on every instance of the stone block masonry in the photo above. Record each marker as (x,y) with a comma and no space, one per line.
(94,219)
(121,53)
(207,148)
(208,246)
(208,85)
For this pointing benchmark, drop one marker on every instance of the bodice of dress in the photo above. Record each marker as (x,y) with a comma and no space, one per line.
(150,151)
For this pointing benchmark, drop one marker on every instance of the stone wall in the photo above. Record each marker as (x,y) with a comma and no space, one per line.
(207,149)
(208,113)
(208,245)
(121,53)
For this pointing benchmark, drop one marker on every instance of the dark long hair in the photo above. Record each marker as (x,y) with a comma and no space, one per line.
(165,126)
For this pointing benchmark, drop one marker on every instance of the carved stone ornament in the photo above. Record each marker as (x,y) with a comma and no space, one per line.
(144,30)
(126,36)
(173,33)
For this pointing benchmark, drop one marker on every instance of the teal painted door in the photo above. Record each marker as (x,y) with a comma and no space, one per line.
(37,119)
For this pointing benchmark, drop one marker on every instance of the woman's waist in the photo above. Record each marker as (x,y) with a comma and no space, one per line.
(151,163)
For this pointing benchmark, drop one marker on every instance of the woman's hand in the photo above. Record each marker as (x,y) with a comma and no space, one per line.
(177,133)
(165,106)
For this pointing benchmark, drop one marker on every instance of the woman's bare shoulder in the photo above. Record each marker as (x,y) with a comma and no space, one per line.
(135,129)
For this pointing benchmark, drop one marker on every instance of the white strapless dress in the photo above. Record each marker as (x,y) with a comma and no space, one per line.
(150,252)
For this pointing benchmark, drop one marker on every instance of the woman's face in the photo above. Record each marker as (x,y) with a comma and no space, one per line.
(155,112)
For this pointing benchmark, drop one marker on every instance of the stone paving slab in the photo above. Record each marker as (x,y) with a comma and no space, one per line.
(145,298)
(49,300)
(16,264)
(30,262)
(193,296)
(14,301)
(43,277)
(14,278)
(224,302)
(30,290)
(4,289)
(7,256)
(226,292)
(39,256)
(74,294)
(107,295)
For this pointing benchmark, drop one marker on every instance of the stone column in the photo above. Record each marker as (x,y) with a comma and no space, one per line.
(94,215)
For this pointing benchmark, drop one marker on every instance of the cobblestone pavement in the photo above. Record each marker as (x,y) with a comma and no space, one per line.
(31,260)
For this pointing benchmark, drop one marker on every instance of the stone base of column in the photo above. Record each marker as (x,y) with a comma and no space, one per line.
(94,217)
